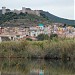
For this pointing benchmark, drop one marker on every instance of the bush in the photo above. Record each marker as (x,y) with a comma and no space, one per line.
(53,35)
(62,49)
(29,39)
(41,37)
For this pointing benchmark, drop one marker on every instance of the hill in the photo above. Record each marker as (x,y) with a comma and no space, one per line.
(24,19)
(56,19)
(13,19)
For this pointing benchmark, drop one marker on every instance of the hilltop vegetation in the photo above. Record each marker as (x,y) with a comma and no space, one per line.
(13,19)
(56,19)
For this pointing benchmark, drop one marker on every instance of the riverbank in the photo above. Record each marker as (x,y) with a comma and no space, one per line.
(48,49)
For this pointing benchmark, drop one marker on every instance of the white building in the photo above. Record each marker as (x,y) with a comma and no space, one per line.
(37,12)
(3,10)
(16,11)
(23,9)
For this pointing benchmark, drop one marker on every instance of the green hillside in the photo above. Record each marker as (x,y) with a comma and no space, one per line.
(56,19)
(13,19)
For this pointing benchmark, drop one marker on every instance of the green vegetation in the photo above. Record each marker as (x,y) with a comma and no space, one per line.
(29,39)
(56,19)
(53,36)
(13,19)
(63,49)
(41,37)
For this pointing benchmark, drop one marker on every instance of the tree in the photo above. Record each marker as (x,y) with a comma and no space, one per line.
(53,35)
(29,39)
(42,37)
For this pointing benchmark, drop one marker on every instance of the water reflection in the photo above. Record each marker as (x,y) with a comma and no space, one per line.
(36,72)
(36,67)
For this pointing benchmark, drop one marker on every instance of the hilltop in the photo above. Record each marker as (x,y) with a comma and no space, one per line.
(18,18)
(13,19)
(56,19)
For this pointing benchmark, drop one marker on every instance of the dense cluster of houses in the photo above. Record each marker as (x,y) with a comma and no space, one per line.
(18,33)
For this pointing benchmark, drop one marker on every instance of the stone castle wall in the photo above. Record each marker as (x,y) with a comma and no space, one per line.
(24,10)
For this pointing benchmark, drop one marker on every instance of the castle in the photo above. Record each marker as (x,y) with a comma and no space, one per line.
(24,10)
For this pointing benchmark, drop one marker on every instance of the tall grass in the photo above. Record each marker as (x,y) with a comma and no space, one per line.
(55,48)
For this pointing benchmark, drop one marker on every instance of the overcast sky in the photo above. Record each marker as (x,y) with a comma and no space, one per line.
(61,8)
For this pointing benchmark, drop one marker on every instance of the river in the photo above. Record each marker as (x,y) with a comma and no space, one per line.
(36,67)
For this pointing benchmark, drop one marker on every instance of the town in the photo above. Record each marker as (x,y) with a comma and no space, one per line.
(18,33)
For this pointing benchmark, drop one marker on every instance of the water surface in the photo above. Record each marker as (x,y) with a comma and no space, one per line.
(36,67)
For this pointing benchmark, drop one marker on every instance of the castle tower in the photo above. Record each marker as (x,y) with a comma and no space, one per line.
(23,9)
(3,10)
(37,12)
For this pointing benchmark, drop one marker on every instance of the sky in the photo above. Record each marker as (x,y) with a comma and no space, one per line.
(60,8)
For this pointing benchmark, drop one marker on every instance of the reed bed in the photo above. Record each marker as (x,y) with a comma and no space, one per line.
(56,48)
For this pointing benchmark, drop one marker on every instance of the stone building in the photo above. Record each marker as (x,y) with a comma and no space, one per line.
(24,10)
(3,10)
